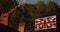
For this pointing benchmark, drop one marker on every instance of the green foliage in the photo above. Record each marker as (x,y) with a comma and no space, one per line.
(6,5)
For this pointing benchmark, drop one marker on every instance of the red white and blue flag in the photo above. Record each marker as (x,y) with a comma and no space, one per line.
(45,23)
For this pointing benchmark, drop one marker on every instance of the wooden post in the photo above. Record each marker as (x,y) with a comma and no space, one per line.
(21,27)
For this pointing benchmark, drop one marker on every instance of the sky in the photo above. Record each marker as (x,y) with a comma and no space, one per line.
(34,1)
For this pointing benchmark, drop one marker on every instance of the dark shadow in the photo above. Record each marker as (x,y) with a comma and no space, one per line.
(4,28)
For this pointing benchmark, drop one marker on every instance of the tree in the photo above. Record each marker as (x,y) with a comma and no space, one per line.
(16,17)
(51,8)
(6,5)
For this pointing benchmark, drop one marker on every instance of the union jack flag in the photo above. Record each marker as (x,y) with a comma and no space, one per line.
(45,23)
